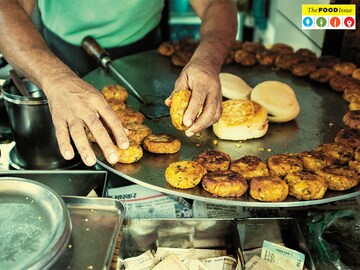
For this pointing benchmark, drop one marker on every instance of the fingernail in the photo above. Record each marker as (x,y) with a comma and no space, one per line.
(188,122)
(113,158)
(68,155)
(90,160)
(124,145)
(189,133)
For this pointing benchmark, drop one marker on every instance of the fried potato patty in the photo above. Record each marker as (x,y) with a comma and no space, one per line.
(268,189)
(337,152)
(249,167)
(130,155)
(128,116)
(137,132)
(350,136)
(314,160)
(161,144)
(214,160)
(179,103)
(224,183)
(114,92)
(306,186)
(184,174)
(283,164)
(352,119)
(339,177)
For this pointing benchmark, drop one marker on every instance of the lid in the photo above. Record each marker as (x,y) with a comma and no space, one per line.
(35,225)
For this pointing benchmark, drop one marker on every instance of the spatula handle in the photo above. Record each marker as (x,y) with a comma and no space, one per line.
(94,49)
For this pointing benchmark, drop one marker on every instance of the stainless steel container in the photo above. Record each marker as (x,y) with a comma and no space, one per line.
(33,130)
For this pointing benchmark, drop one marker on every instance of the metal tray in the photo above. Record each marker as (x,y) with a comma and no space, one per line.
(96,225)
(35,225)
(318,122)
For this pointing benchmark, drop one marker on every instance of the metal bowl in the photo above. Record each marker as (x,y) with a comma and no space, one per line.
(35,225)
(33,130)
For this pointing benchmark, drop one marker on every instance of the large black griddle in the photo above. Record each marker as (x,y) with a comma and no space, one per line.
(318,122)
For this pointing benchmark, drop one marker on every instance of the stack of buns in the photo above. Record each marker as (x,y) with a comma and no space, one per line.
(247,111)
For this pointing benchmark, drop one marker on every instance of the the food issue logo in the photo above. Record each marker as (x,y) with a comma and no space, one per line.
(328,17)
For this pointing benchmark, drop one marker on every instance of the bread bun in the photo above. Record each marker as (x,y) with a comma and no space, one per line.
(279,100)
(241,120)
(233,87)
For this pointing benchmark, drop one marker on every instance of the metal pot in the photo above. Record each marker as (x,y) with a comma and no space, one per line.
(33,130)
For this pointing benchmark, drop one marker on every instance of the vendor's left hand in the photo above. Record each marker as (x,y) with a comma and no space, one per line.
(206,98)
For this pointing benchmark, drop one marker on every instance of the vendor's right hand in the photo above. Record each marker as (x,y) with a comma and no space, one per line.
(74,104)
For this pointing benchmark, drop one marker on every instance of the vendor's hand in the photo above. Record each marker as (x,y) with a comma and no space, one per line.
(73,104)
(206,95)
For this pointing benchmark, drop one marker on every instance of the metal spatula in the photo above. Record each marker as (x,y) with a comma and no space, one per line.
(152,110)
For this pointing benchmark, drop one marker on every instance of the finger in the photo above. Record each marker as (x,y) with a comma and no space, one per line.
(114,123)
(210,114)
(102,138)
(63,139)
(195,104)
(81,142)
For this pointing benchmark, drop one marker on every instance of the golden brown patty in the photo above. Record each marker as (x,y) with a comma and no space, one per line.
(327,61)
(341,82)
(214,160)
(322,75)
(282,48)
(350,136)
(253,47)
(266,57)
(179,103)
(161,144)
(314,160)
(356,74)
(184,174)
(303,69)
(339,177)
(137,132)
(128,116)
(116,105)
(345,68)
(224,183)
(355,103)
(130,155)
(286,60)
(249,167)
(283,164)
(245,58)
(166,48)
(351,92)
(114,92)
(268,189)
(338,153)
(352,119)
(306,54)
(357,154)
(355,165)
(306,186)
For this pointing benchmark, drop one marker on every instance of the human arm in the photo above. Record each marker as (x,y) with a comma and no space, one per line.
(73,102)
(201,74)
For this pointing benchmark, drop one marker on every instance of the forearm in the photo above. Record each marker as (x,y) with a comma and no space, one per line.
(25,49)
(218,30)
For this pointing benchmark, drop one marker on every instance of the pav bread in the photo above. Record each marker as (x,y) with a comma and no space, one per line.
(233,87)
(241,120)
(278,99)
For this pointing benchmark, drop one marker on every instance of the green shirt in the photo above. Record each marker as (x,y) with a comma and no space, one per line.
(112,23)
